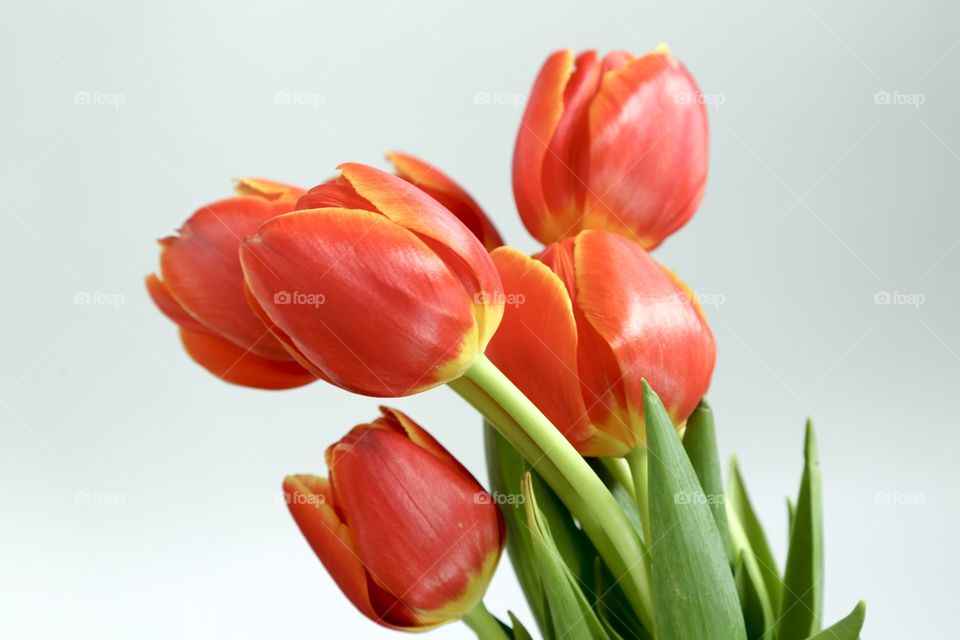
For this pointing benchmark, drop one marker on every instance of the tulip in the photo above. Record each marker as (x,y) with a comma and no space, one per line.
(201,289)
(406,532)
(374,286)
(617,144)
(593,318)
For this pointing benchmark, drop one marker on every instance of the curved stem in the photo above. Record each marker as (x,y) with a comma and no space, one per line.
(569,475)
(531,452)
(484,624)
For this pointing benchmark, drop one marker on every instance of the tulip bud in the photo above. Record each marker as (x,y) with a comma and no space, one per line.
(617,144)
(201,288)
(406,532)
(374,286)
(600,316)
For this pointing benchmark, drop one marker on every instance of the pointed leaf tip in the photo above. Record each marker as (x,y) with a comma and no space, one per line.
(802,605)
(846,629)
(689,561)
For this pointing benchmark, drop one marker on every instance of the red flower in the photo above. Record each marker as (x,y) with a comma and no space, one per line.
(407,533)
(591,319)
(202,289)
(374,286)
(617,144)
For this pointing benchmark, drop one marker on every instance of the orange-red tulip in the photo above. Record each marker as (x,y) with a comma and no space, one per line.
(374,286)
(618,143)
(594,317)
(202,289)
(406,532)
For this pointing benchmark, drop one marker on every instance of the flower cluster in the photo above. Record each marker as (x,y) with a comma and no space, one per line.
(586,359)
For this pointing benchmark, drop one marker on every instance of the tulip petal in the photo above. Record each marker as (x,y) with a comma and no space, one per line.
(648,171)
(448,193)
(450,239)
(283,338)
(381,314)
(651,324)
(536,345)
(311,504)
(540,118)
(267,189)
(420,527)
(169,306)
(239,366)
(601,382)
(332,194)
(401,423)
(201,270)
(565,167)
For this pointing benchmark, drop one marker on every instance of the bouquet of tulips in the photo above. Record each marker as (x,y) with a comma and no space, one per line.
(588,362)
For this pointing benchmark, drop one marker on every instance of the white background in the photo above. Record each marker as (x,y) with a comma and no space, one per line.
(819,198)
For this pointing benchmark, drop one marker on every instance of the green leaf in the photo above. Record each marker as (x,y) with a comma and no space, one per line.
(613,609)
(693,590)
(740,509)
(506,468)
(802,607)
(848,628)
(700,443)
(754,599)
(571,613)
(622,493)
(519,631)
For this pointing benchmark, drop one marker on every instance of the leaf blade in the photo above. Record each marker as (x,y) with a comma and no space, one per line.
(802,606)
(739,508)
(700,443)
(693,589)
(848,628)
(572,616)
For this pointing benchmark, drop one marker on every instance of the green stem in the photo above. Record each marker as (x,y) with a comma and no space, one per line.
(484,624)
(637,459)
(567,473)
(621,471)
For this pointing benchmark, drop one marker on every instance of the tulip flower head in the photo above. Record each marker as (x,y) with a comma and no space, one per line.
(406,532)
(618,143)
(373,285)
(599,317)
(201,289)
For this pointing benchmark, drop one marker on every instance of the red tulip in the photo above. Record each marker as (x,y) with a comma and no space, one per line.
(617,144)
(202,289)
(594,317)
(406,532)
(374,286)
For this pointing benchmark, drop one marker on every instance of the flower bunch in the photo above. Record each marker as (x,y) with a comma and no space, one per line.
(588,360)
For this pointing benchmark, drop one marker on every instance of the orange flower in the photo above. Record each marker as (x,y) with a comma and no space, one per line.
(406,532)
(374,286)
(201,289)
(617,144)
(592,318)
